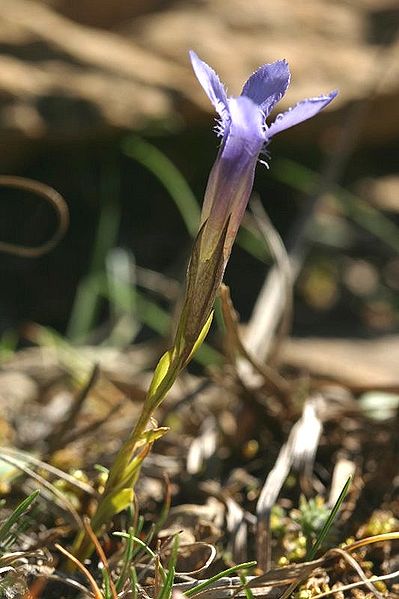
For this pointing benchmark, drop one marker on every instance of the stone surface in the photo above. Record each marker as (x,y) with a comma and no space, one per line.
(383,192)
(360,364)
(64,75)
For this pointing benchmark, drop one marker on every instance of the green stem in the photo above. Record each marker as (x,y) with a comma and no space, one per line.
(203,280)
(119,477)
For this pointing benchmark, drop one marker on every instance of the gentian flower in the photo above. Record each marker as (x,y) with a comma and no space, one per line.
(245,134)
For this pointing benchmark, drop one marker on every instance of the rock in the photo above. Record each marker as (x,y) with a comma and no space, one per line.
(383,192)
(196,522)
(63,77)
(16,390)
(69,75)
(103,13)
(357,363)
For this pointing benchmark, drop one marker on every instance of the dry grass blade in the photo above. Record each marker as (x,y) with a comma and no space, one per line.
(286,574)
(30,459)
(352,562)
(228,589)
(238,530)
(95,588)
(62,500)
(343,470)
(306,440)
(272,380)
(210,559)
(203,446)
(274,303)
(101,555)
(157,282)
(268,585)
(6,570)
(279,582)
(299,450)
(333,552)
(267,499)
(7,559)
(53,198)
(382,538)
(199,553)
(355,585)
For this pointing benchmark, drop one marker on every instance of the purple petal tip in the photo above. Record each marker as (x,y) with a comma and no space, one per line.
(211,84)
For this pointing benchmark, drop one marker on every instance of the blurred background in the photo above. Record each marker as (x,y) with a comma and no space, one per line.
(98,100)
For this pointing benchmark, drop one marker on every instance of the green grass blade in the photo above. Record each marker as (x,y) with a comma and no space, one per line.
(84,310)
(127,558)
(122,297)
(356,209)
(248,241)
(107,585)
(133,582)
(166,591)
(207,583)
(171,178)
(19,511)
(329,522)
(142,544)
(248,593)
(87,302)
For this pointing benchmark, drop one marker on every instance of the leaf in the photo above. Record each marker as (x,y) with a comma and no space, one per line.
(17,514)
(149,436)
(167,587)
(159,164)
(203,280)
(207,583)
(329,522)
(111,505)
(161,372)
(201,337)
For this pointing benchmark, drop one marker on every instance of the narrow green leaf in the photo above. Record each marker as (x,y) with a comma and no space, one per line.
(201,337)
(355,208)
(166,591)
(248,593)
(126,561)
(133,582)
(87,299)
(329,522)
(19,511)
(207,583)
(144,546)
(111,505)
(171,178)
(161,372)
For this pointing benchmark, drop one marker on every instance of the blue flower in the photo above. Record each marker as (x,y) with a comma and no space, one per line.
(245,134)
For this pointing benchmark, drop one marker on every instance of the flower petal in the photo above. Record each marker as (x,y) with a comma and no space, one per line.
(300,112)
(268,85)
(211,84)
